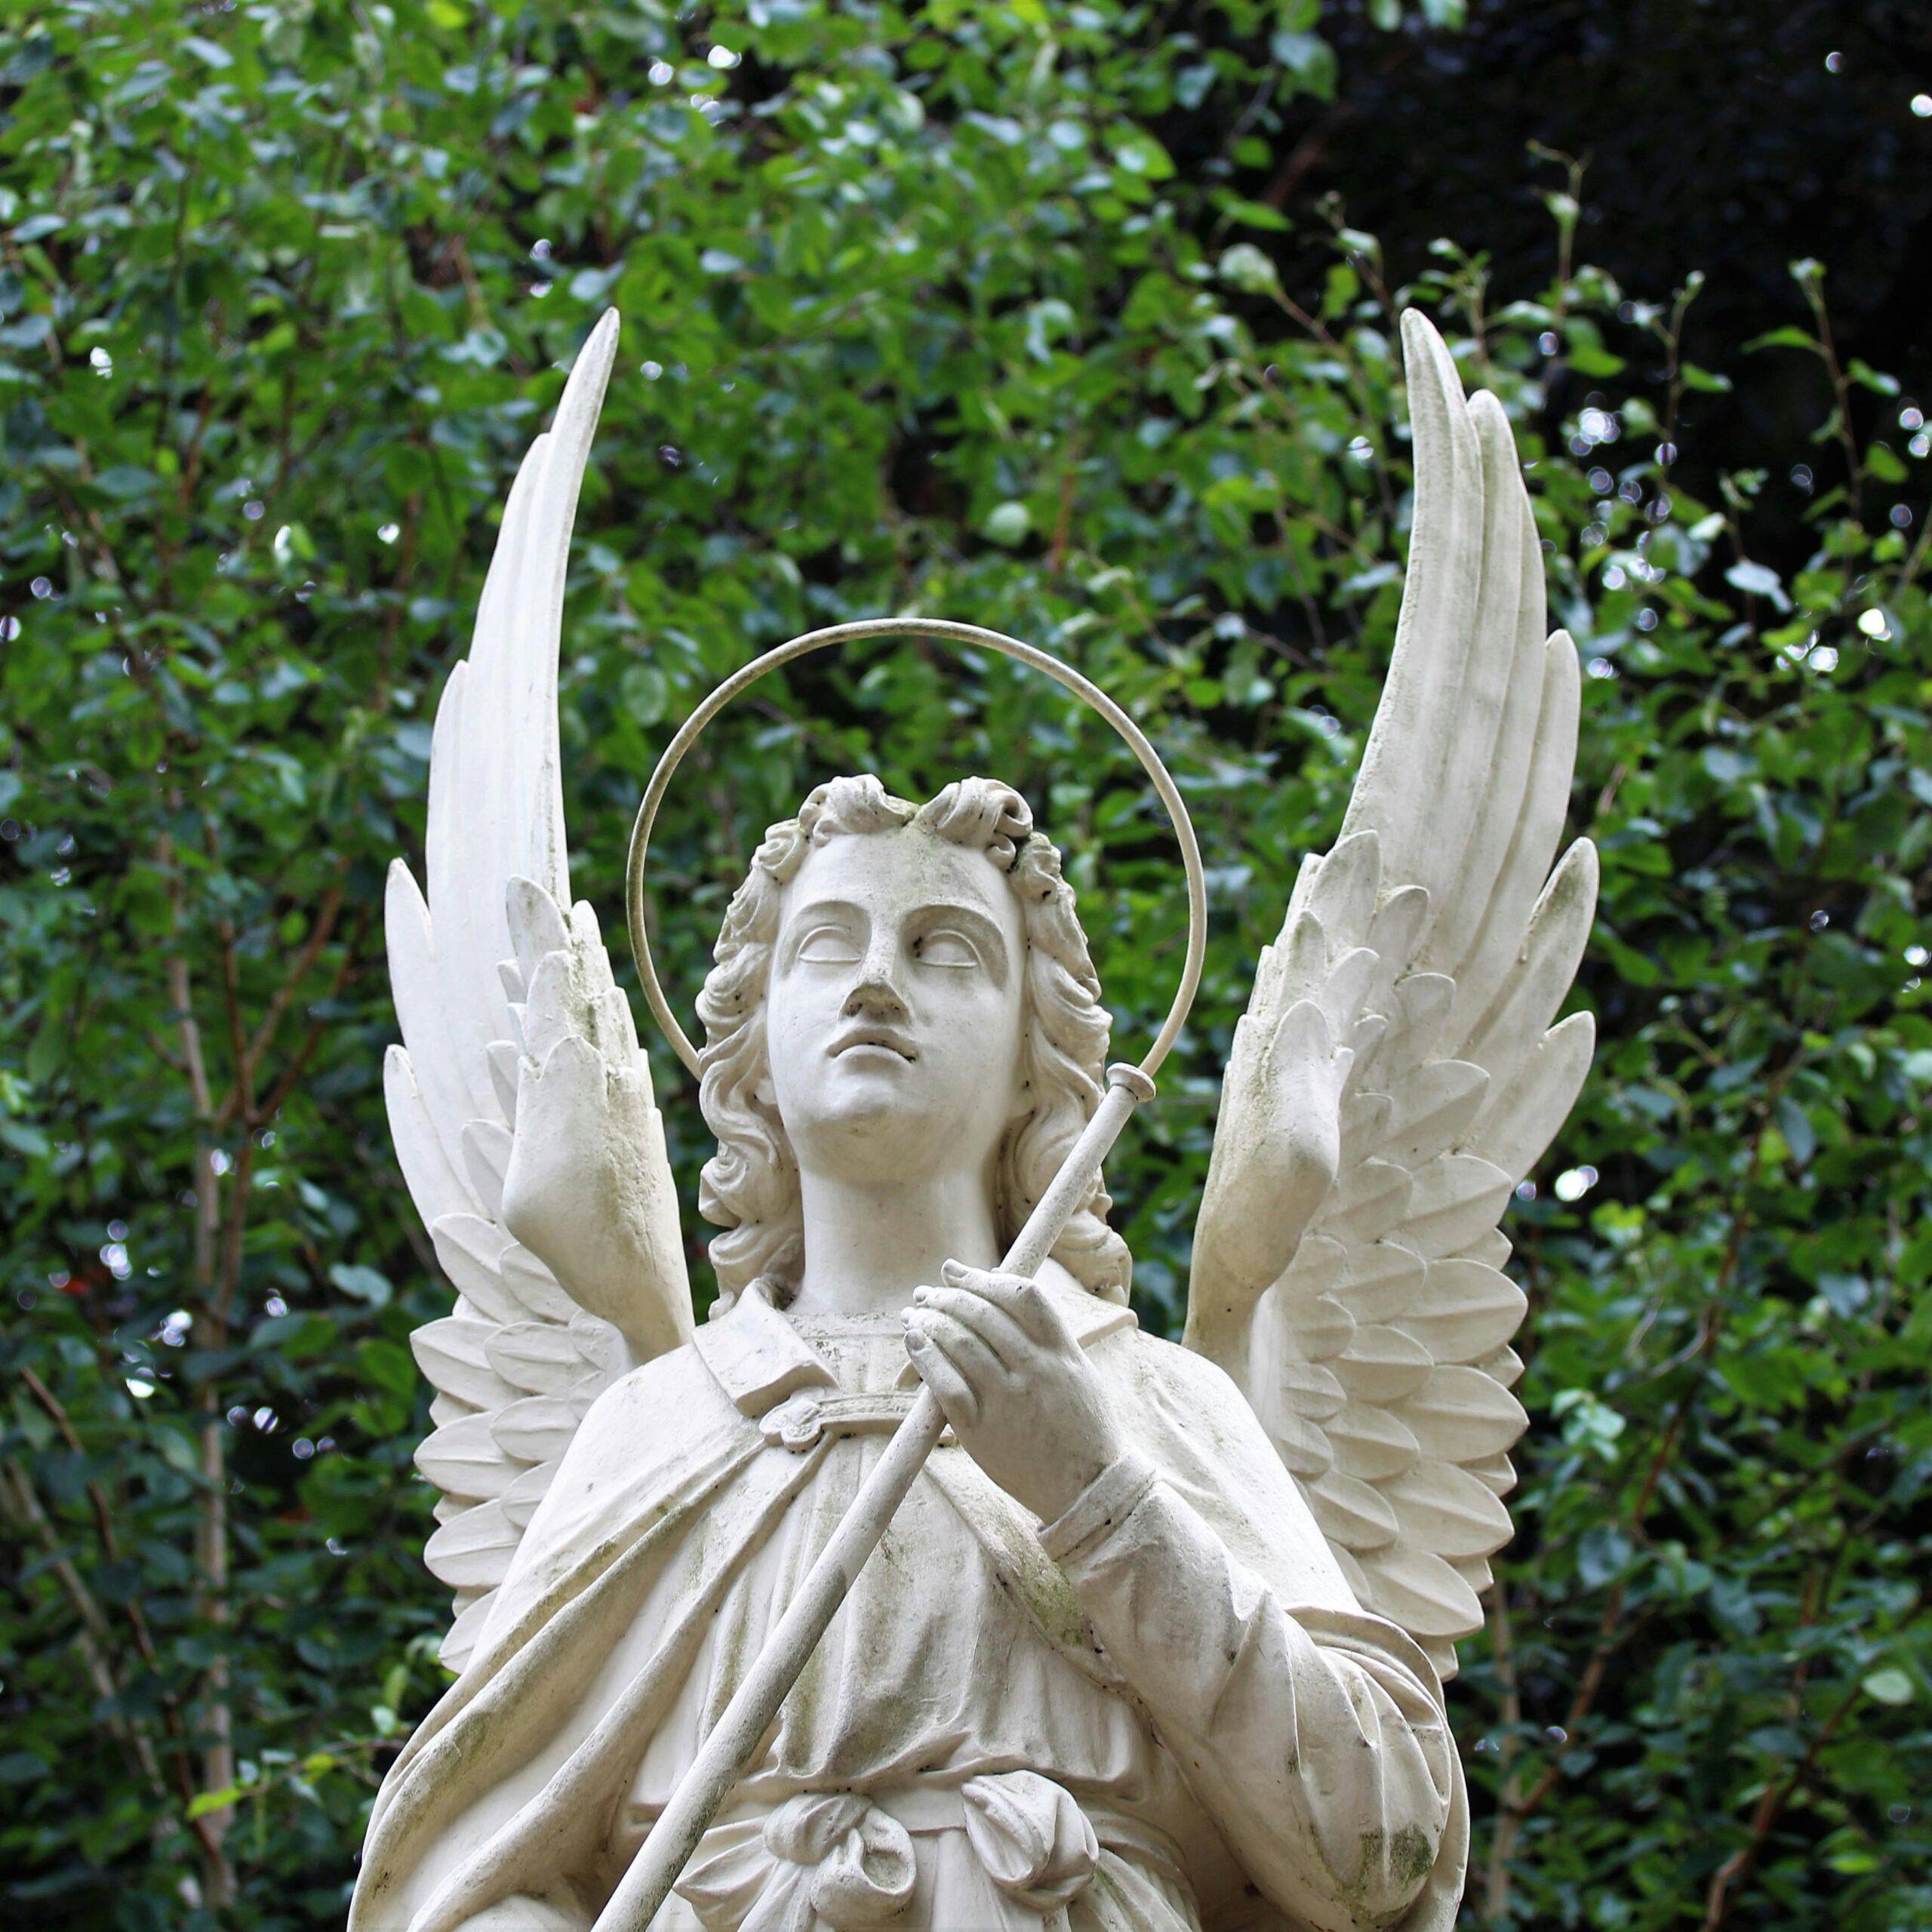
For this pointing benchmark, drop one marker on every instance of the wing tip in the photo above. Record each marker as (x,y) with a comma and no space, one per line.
(588,380)
(1419,335)
(1582,1021)
(406,921)
(1486,407)
(1426,355)
(1579,872)
(1503,462)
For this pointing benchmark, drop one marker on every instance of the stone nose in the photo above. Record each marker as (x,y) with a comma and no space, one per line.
(875,994)
(875,991)
(875,997)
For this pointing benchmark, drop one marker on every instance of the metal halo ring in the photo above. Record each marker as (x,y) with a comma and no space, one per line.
(953,633)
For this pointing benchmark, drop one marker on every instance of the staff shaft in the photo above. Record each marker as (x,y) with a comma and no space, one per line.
(754,1706)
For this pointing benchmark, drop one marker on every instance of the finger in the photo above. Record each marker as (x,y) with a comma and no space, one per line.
(554,1006)
(536,924)
(973,1358)
(1010,1343)
(954,1395)
(1017,1296)
(562,1092)
(613,1029)
(587,942)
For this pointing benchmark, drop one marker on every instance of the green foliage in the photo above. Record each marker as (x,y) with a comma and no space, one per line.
(919,312)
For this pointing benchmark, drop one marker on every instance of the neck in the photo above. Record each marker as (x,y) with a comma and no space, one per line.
(870,1244)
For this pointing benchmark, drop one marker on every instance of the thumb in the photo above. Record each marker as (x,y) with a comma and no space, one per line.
(536,923)
(1309,1074)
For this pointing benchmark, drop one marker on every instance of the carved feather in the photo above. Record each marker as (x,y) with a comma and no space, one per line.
(1440,946)
(518,1363)
(474,1552)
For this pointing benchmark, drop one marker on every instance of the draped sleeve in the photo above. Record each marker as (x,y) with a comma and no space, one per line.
(1312,1733)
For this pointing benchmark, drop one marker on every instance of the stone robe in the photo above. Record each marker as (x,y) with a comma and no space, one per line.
(1163,1712)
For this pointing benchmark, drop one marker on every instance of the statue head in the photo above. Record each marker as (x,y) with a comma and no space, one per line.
(900,990)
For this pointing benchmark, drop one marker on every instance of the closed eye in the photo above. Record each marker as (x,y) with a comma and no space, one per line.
(945,947)
(828,946)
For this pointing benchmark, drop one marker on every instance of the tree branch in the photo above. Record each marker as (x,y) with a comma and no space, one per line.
(17,1497)
(1735,1871)
(304,963)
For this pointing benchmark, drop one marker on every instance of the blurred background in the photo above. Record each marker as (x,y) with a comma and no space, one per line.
(1074,321)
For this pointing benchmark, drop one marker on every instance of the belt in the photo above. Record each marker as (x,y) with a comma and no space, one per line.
(844,1861)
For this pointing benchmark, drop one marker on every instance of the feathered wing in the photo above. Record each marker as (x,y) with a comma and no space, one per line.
(1408,1002)
(518,1363)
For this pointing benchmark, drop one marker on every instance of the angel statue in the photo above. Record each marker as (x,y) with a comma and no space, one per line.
(1155,1640)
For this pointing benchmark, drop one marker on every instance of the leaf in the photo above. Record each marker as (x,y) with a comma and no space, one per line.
(1862,372)
(1760,580)
(1800,1136)
(387,1365)
(24,1139)
(1251,214)
(1587,359)
(1603,1553)
(45,1053)
(1786,337)
(1248,269)
(1308,57)
(1889,1686)
(1142,155)
(127,480)
(294,1337)
(365,1284)
(1008,523)
(1880,462)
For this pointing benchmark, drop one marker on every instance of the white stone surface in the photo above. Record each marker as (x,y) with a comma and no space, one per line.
(1155,1641)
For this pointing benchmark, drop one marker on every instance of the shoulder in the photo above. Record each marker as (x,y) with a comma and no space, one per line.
(675,1394)
(644,1436)
(1187,1387)
(654,1444)
(1192,1420)
(1154,1358)
(661,1431)
(1192,1406)
(1141,1365)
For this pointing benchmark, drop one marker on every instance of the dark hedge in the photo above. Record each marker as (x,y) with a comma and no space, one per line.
(1038,315)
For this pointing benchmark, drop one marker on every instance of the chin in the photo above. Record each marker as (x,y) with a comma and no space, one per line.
(872,1134)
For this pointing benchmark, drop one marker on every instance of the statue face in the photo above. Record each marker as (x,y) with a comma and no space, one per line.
(895,1014)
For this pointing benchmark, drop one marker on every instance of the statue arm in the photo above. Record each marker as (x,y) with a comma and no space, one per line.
(1312,1734)
(1322,1757)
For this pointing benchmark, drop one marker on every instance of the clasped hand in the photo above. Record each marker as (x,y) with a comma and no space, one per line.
(1014,1383)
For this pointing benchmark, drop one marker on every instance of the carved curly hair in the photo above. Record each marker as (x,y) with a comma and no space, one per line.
(750,1186)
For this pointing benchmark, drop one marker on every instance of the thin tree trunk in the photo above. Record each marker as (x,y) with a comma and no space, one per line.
(211,1527)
